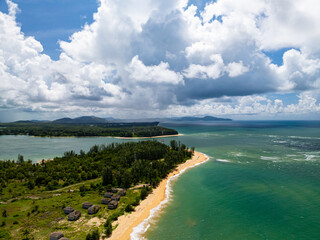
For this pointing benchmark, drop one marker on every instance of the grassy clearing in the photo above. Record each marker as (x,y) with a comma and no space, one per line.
(41,212)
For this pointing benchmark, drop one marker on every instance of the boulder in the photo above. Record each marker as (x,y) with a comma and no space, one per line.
(56,236)
(114,190)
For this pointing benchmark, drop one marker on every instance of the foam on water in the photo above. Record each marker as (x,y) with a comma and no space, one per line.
(222,160)
(309,157)
(141,229)
(269,158)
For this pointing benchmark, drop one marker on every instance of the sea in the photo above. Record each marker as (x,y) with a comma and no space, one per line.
(262,180)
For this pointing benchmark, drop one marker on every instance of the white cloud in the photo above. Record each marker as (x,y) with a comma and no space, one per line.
(147,54)
(236,69)
(153,74)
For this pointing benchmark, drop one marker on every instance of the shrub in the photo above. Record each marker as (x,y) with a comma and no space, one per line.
(94,235)
(143,193)
(129,208)
(108,227)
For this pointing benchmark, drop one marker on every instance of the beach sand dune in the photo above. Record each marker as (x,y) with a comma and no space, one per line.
(126,223)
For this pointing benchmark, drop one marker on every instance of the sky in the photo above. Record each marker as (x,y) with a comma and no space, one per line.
(241,59)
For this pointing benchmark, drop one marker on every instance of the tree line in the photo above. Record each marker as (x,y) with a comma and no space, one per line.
(84,130)
(119,165)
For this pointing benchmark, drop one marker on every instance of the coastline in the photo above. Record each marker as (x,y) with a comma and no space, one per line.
(159,195)
(160,136)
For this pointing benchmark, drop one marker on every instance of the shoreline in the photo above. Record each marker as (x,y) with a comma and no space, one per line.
(159,136)
(128,223)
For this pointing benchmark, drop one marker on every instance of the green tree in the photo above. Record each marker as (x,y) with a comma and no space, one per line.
(129,208)
(4,213)
(94,235)
(26,234)
(31,184)
(173,144)
(107,176)
(20,159)
(143,193)
(108,227)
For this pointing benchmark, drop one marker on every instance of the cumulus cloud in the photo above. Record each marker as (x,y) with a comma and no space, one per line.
(153,74)
(166,56)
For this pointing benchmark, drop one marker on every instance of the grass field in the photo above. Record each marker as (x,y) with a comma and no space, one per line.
(41,212)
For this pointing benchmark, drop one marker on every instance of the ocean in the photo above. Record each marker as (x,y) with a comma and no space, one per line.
(262,180)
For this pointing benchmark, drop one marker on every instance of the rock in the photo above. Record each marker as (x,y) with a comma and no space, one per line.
(114,190)
(56,236)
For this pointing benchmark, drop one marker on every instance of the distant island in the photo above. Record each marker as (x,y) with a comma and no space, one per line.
(87,126)
(206,119)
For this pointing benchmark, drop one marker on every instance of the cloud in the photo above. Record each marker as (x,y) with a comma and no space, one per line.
(158,57)
(153,74)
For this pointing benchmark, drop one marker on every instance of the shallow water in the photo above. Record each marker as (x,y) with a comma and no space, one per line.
(262,181)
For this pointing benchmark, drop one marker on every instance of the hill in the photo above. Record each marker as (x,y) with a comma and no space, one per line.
(81,120)
(206,118)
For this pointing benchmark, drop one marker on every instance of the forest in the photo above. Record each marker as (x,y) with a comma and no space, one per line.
(120,165)
(53,129)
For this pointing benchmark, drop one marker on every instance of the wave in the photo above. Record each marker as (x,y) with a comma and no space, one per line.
(278,141)
(238,154)
(310,157)
(141,229)
(301,137)
(222,160)
(269,158)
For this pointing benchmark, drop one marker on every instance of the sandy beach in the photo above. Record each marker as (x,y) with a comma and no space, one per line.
(126,223)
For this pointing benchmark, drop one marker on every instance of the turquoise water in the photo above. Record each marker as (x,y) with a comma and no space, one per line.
(262,182)
(38,148)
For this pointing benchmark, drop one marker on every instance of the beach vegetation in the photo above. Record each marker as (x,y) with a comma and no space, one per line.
(108,227)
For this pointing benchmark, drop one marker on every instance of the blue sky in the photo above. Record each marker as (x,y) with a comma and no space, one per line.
(50,21)
(169,58)
(53,20)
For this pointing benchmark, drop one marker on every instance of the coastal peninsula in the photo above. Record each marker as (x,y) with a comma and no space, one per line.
(126,179)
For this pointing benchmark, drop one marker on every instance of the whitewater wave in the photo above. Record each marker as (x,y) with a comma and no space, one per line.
(141,229)
(222,160)
(301,137)
(269,158)
(238,154)
(310,157)
(279,141)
